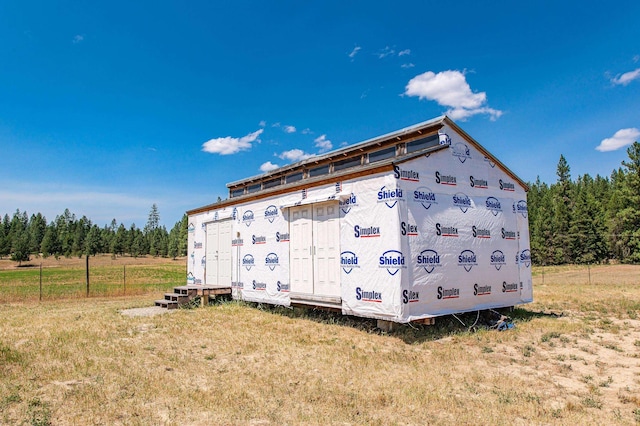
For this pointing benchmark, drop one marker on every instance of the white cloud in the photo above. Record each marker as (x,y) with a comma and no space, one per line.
(262,123)
(294,155)
(276,124)
(620,139)
(306,131)
(450,89)
(404,52)
(289,129)
(387,51)
(354,52)
(268,166)
(626,78)
(79,38)
(229,145)
(409,65)
(323,143)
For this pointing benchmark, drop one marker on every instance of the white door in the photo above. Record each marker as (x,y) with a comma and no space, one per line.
(300,244)
(218,253)
(326,265)
(315,249)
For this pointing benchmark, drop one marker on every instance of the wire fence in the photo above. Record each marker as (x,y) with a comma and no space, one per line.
(598,274)
(38,282)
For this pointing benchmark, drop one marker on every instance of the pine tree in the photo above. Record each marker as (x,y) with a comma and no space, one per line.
(626,221)
(50,245)
(92,242)
(562,213)
(37,227)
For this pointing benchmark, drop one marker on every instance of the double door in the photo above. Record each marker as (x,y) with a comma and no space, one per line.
(315,249)
(218,253)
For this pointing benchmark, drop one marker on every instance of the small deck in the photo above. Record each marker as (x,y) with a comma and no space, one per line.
(185,293)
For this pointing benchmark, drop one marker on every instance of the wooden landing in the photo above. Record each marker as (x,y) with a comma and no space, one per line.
(185,293)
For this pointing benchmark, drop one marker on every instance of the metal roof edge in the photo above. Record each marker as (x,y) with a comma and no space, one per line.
(425,124)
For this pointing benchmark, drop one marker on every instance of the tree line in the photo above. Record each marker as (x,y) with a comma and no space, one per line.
(587,220)
(22,236)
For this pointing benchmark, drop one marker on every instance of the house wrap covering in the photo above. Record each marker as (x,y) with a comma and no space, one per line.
(435,231)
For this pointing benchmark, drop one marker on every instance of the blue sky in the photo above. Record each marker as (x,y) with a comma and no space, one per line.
(109,107)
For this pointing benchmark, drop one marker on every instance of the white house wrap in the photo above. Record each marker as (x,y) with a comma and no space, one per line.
(414,224)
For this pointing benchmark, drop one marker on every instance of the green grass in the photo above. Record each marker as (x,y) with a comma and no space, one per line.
(103,281)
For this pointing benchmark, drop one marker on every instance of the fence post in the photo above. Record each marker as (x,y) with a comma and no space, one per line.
(87,262)
(41,281)
(124,279)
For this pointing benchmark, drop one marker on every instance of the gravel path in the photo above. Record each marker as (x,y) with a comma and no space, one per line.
(146,312)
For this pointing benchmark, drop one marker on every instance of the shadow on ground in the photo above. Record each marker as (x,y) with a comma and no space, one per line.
(445,326)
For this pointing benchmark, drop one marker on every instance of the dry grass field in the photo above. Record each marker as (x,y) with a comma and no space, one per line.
(573,358)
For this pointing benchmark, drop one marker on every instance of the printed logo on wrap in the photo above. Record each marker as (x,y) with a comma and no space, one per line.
(191,279)
(410,296)
(467,259)
(282,287)
(392,261)
(481,233)
(498,259)
(478,183)
(248,261)
(390,197)
(493,205)
(348,261)
(234,213)
(508,235)
(271,213)
(191,228)
(347,204)
(424,196)
(448,180)
(448,293)
(509,287)
(491,163)
(461,150)
(248,217)
(429,260)
(203,261)
(366,232)
(197,245)
(506,186)
(271,261)
(368,296)
(256,285)
(462,201)
(216,216)
(520,207)
(481,290)
(525,257)
(406,175)
(446,231)
(282,237)
(258,239)
(409,230)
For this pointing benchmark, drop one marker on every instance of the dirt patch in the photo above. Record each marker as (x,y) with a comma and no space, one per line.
(150,311)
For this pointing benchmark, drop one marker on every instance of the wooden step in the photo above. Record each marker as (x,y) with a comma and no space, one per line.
(176,297)
(186,290)
(169,304)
